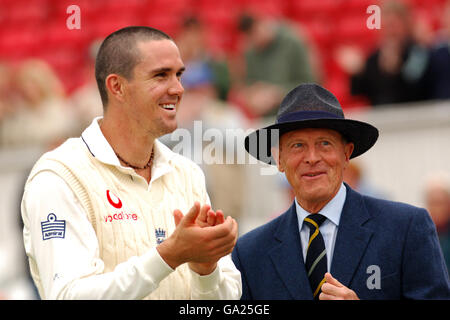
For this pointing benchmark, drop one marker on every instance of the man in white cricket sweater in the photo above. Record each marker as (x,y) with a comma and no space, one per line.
(103,213)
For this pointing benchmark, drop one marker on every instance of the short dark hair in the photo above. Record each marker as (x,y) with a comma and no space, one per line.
(118,54)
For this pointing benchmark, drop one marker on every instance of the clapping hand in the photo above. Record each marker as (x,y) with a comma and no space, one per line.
(201,238)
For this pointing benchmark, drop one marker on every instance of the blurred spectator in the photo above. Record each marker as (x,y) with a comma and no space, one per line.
(438,76)
(206,82)
(276,60)
(355,178)
(5,91)
(395,72)
(200,103)
(191,42)
(39,114)
(437,198)
(85,101)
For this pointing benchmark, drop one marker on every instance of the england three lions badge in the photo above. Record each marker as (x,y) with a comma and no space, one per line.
(160,235)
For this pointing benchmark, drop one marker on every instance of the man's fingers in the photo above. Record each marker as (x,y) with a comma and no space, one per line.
(329,279)
(193,213)
(330,289)
(229,240)
(177,215)
(215,242)
(333,289)
(203,216)
(324,296)
(220,218)
(211,218)
(223,246)
(234,230)
(233,234)
(331,285)
(223,234)
(224,229)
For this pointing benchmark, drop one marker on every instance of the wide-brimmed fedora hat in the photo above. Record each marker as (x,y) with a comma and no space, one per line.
(310,106)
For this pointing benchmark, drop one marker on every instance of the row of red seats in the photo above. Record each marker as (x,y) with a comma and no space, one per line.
(34,27)
(30,36)
(100,17)
(21,11)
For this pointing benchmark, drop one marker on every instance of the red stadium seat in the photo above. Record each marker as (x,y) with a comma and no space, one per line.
(57,35)
(311,9)
(19,41)
(357,7)
(353,30)
(320,32)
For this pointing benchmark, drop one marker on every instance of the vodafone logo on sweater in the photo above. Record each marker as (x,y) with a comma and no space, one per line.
(113,200)
(117,204)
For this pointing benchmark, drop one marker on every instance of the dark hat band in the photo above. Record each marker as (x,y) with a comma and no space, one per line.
(307,115)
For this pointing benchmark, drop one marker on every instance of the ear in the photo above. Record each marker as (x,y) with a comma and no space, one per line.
(276,156)
(115,86)
(348,150)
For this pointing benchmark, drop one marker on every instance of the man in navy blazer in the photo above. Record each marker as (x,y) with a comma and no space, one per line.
(376,249)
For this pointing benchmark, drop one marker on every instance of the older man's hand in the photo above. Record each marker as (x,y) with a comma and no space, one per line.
(334,290)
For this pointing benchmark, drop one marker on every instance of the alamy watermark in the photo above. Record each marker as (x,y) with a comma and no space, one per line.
(74,20)
(374,280)
(214,146)
(374,20)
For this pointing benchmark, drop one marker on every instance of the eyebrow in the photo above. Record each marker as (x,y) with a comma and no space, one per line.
(327,138)
(302,139)
(164,69)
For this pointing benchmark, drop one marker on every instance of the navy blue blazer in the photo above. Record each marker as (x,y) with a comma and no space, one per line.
(393,241)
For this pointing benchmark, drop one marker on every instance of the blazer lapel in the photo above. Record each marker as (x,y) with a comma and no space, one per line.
(287,257)
(352,238)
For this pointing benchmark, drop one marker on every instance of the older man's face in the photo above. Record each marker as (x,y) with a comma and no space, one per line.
(314,161)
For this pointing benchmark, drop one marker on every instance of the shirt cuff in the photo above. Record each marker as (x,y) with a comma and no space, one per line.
(207,283)
(155,265)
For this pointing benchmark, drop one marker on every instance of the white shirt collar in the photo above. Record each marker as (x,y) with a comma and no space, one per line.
(332,210)
(97,144)
(100,148)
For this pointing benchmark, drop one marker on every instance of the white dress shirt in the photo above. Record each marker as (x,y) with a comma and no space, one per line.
(332,211)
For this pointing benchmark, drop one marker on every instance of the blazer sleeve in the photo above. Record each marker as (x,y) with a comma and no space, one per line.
(425,274)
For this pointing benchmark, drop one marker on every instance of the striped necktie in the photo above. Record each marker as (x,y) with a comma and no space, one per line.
(316,255)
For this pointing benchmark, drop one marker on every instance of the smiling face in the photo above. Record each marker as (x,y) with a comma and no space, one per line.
(314,161)
(153,94)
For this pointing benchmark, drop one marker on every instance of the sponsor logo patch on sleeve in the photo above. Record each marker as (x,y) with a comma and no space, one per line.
(53,228)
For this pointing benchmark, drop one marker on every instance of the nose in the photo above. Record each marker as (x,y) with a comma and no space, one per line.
(312,156)
(176,88)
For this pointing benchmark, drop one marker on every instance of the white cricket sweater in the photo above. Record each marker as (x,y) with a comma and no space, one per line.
(114,207)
